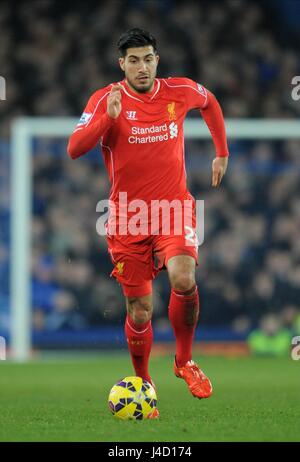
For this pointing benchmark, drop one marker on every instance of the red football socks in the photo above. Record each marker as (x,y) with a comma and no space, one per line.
(139,339)
(183,315)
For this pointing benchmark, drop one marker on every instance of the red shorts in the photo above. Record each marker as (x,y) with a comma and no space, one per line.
(138,259)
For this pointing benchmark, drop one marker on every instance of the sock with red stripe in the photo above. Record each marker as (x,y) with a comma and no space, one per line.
(183,315)
(139,339)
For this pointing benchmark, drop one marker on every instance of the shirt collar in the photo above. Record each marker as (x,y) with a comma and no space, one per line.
(142,96)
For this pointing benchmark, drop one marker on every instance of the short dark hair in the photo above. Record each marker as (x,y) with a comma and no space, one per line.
(134,38)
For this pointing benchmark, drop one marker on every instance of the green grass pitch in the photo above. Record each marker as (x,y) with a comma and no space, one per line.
(255,399)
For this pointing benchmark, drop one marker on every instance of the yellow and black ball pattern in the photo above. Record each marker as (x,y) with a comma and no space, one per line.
(133,398)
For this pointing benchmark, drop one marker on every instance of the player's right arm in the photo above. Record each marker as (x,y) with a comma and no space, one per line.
(99,115)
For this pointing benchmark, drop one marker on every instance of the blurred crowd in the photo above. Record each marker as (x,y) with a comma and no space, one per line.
(54,55)
(249,263)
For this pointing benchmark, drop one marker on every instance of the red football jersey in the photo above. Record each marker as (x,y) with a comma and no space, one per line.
(143,148)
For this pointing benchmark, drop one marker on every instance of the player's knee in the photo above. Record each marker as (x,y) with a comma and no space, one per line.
(183,282)
(140,310)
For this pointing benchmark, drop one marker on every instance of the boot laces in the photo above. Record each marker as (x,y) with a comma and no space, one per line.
(195,371)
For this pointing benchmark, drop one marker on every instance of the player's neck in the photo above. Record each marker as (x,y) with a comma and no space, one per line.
(140,92)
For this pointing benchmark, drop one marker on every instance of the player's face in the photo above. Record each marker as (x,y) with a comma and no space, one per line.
(140,66)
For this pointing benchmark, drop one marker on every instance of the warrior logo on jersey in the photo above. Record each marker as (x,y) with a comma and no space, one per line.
(85,118)
(171,111)
(131,115)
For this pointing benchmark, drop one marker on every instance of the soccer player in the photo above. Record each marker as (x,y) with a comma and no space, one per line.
(139,124)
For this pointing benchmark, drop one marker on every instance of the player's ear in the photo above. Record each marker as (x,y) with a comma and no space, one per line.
(122,62)
(157,59)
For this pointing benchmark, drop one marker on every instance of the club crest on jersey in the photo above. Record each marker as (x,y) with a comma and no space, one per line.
(171,111)
(131,115)
(84,118)
(120,267)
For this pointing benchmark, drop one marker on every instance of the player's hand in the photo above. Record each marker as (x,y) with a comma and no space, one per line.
(114,105)
(219,167)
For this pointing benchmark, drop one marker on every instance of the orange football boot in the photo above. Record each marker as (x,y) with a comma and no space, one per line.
(198,383)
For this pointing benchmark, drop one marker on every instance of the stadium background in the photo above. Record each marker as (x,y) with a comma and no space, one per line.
(53,56)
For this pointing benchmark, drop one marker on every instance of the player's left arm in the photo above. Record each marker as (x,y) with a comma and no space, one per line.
(213,117)
(198,97)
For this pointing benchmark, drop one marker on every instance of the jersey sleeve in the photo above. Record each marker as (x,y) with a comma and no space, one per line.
(198,97)
(92,125)
(213,117)
(95,107)
(195,94)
